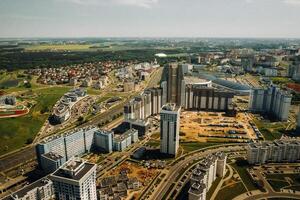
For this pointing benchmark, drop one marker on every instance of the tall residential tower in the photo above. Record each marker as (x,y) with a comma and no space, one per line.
(169,129)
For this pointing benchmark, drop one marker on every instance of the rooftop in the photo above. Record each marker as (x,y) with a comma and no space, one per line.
(22,192)
(170,107)
(73,169)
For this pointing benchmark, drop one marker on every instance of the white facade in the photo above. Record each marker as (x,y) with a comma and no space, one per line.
(273,152)
(205,174)
(39,190)
(75,180)
(272,100)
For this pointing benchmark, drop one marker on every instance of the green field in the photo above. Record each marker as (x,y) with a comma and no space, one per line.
(231,191)
(153,143)
(82,47)
(277,184)
(278,181)
(241,167)
(58,47)
(16,132)
(271,130)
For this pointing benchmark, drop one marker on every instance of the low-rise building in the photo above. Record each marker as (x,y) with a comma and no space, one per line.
(121,142)
(39,190)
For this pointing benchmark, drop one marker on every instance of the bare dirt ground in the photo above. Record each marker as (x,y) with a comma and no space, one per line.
(197,126)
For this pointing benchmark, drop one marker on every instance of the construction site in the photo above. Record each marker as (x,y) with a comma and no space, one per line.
(198,126)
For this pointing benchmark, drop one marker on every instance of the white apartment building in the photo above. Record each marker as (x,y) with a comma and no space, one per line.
(205,174)
(169,129)
(274,152)
(75,180)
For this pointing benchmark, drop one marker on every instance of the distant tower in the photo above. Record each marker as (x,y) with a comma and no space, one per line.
(169,129)
(175,84)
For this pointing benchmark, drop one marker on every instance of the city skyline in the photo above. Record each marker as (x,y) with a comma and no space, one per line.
(150,18)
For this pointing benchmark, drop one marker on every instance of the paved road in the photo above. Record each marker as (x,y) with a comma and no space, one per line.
(175,170)
(17,158)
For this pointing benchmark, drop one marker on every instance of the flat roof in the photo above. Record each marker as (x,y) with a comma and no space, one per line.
(22,192)
(63,171)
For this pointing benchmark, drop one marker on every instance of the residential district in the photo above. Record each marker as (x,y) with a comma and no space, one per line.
(217,125)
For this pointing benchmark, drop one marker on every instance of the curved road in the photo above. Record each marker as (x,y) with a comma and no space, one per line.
(175,170)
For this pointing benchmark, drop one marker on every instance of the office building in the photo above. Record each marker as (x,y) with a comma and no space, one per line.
(39,190)
(169,129)
(273,152)
(76,179)
(205,173)
(272,101)
(104,140)
(64,147)
(173,75)
(142,126)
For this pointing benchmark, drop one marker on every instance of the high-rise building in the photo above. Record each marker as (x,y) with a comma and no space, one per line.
(248,63)
(205,174)
(142,106)
(169,128)
(175,83)
(164,98)
(76,179)
(272,100)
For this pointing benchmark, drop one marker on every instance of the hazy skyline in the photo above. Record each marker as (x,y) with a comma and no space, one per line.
(150,18)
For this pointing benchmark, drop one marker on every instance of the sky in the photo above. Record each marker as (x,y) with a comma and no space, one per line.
(150,18)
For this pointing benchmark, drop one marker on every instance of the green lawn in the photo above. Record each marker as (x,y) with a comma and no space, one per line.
(241,167)
(192,146)
(281,80)
(153,143)
(14,132)
(282,177)
(271,130)
(277,184)
(231,191)
(213,187)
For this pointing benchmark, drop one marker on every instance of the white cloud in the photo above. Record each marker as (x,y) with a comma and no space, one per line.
(139,3)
